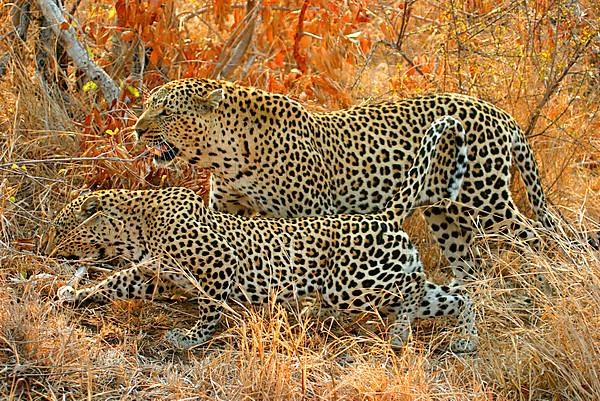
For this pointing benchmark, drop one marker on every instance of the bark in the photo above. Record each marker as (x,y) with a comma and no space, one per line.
(76,51)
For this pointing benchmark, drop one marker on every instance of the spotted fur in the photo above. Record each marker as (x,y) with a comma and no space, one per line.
(353,262)
(271,156)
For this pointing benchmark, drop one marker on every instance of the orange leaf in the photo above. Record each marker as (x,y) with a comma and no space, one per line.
(154,5)
(298,56)
(155,56)
(365,45)
(274,86)
(279,59)
(127,36)
(64,25)
(362,16)
(121,8)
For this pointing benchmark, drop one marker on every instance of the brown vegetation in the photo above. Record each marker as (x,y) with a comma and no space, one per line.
(538,60)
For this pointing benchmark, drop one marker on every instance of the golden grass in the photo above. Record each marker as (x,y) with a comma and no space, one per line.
(532,346)
(536,342)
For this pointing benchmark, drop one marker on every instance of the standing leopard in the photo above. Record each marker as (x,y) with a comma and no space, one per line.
(353,262)
(271,156)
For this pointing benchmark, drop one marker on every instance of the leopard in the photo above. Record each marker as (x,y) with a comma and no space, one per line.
(269,155)
(352,262)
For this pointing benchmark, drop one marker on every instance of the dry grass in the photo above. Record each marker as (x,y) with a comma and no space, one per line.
(537,342)
(532,345)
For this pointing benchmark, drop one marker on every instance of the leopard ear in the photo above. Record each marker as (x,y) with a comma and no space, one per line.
(76,193)
(89,207)
(210,102)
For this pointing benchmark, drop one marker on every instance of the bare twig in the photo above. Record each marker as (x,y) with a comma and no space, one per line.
(238,42)
(74,7)
(76,51)
(192,14)
(64,160)
(553,87)
(372,52)
(395,46)
(404,23)
(21,20)
(366,63)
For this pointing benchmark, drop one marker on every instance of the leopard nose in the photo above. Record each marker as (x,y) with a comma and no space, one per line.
(139,131)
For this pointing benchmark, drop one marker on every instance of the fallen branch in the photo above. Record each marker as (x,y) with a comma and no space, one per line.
(67,36)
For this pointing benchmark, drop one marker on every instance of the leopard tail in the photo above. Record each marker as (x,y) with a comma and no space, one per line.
(528,168)
(401,205)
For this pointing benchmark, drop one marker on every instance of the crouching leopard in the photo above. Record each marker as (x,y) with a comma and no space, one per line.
(271,156)
(353,262)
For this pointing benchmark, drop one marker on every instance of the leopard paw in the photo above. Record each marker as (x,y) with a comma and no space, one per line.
(66,294)
(463,346)
(180,338)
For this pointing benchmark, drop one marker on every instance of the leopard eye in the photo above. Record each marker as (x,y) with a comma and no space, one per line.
(165,112)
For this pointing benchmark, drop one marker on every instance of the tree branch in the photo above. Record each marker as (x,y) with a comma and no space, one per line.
(553,87)
(66,34)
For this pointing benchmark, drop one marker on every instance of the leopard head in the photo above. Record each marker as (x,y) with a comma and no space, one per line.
(87,228)
(181,118)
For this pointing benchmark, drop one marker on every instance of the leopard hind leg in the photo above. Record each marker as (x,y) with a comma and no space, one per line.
(451,300)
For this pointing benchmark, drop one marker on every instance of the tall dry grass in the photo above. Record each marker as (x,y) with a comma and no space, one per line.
(537,341)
